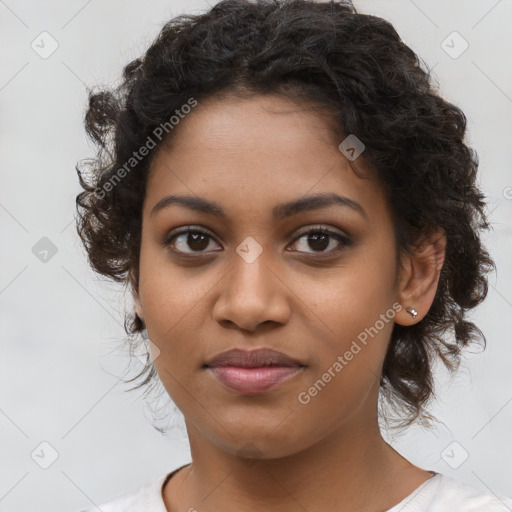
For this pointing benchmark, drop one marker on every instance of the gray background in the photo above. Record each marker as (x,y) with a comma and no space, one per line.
(61,326)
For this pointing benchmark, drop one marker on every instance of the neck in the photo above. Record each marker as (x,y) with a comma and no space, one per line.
(353,466)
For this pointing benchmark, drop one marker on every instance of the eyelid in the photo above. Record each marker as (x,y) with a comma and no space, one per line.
(320,227)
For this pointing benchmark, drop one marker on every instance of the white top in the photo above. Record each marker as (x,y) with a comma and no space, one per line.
(441,493)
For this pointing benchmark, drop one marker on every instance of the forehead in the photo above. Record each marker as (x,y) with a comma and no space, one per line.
(259,151)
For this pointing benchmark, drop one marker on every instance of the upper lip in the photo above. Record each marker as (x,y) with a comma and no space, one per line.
(252,359)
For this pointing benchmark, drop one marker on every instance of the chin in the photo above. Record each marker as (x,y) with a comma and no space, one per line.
(257,441)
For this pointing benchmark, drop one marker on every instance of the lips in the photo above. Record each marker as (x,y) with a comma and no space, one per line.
(252,359)
(255,371)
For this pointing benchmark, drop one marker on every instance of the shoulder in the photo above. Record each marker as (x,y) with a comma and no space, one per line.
(447,494)
(147,498)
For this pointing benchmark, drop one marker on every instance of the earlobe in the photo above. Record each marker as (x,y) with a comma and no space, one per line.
(138,305)
(134,287)
(419,277)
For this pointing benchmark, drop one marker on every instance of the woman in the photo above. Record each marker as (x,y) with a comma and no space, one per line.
(296,214)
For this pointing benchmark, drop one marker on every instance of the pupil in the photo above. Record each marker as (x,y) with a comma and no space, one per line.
(313,240)
(194,241)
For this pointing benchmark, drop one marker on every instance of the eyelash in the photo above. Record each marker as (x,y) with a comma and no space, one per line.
(344,240)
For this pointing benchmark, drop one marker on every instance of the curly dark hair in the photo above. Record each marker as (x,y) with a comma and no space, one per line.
(372,84)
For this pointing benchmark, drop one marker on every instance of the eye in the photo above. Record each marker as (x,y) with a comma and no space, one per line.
(189,240)
(186,238)
(319,239)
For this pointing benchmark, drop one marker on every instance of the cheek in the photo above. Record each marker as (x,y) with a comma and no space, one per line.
(170,301)
(353,295)
(175,314)
(353,308)
(168,293)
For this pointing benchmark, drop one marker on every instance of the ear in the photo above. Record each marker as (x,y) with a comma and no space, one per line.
(133,286)
(138,305)
(419,277)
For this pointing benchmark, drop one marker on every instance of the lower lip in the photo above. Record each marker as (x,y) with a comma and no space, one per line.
(253,380)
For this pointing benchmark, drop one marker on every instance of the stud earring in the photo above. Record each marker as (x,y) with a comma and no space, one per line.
(412,312)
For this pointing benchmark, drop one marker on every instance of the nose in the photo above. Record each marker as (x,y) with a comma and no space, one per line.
(252,295)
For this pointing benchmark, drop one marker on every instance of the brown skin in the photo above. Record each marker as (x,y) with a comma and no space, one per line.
(249,156)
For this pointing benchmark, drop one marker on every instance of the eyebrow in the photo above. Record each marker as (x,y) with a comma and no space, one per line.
(279,212)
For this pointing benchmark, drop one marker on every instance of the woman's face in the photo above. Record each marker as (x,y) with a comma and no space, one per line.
(256,279)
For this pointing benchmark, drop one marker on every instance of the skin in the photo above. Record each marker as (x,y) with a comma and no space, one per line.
(249,155)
